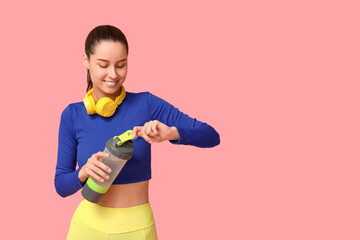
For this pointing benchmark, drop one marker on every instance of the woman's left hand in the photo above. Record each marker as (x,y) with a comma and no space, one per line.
(155,131)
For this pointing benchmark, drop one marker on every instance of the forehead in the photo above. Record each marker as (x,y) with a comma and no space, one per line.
(110,50)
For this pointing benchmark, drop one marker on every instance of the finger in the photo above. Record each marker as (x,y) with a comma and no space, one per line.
(151,134)
(154,128)
(145,137)
(95,160)
(92,174)
(98,155)
(155,139)
(147,127)
(103,166)
(94,168)
(135,132)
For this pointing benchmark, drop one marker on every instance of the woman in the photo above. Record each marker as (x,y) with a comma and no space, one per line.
(124,212)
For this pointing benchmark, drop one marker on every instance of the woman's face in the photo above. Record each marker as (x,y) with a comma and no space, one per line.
(108,69)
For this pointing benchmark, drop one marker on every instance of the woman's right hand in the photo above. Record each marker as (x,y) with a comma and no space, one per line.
(95,168)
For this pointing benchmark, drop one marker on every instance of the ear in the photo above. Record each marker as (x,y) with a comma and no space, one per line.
(86,61)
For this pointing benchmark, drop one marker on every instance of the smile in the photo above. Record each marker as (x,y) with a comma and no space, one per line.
(110,83)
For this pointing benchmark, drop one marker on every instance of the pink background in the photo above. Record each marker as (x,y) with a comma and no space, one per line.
(279,80)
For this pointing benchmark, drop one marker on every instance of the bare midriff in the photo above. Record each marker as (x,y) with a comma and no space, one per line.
(126,195)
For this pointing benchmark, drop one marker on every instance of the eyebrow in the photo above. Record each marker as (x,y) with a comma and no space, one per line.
(108,60)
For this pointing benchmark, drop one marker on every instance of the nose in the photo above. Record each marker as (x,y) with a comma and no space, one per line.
(112,73)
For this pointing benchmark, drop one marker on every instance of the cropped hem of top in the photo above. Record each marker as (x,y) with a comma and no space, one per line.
(81,135)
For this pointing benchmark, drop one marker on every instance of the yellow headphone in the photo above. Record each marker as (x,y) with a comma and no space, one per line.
(105,106)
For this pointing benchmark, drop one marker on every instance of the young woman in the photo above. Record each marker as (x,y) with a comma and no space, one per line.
(108,110)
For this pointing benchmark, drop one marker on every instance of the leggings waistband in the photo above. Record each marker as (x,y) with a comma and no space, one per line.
(114,220)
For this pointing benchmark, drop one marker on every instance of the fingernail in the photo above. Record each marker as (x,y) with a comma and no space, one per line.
(107,177)
(101,180)
(109,170)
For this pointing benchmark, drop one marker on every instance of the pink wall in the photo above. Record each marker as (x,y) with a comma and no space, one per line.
(279,80)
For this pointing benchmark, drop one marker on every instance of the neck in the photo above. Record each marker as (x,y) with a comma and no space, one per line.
(97,94)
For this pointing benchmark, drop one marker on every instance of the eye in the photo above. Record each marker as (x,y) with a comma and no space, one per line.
(103,66)
(120,66)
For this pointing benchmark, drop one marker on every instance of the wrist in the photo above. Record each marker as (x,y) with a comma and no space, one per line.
(82,178)
(174,134)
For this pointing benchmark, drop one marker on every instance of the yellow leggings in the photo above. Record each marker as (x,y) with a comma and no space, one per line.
(94,222)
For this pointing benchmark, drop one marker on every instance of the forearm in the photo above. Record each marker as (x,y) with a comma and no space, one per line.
(67,184)
(203,136)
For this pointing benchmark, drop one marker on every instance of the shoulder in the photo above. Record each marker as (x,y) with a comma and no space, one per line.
(76,106)
(144,98)
(137,97)
(144,94)
(72,109)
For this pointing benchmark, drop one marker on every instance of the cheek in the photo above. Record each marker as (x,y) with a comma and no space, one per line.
(122,72)
(97,74)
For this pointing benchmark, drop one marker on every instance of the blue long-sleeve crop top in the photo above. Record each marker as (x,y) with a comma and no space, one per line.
(81,135)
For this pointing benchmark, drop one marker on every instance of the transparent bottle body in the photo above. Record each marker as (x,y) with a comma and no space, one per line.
(113,162)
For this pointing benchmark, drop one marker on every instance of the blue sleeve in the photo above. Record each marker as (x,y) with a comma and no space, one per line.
(191,131)
(66,177)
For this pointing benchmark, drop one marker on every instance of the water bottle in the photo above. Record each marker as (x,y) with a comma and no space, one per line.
(120,149)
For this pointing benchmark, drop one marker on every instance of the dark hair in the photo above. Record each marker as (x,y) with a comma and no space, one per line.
(96,36)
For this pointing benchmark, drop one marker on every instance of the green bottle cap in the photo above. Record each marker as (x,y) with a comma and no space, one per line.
(126,136)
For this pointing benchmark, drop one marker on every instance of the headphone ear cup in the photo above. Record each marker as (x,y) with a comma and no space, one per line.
(121,97)
(89,103)
(106,107)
